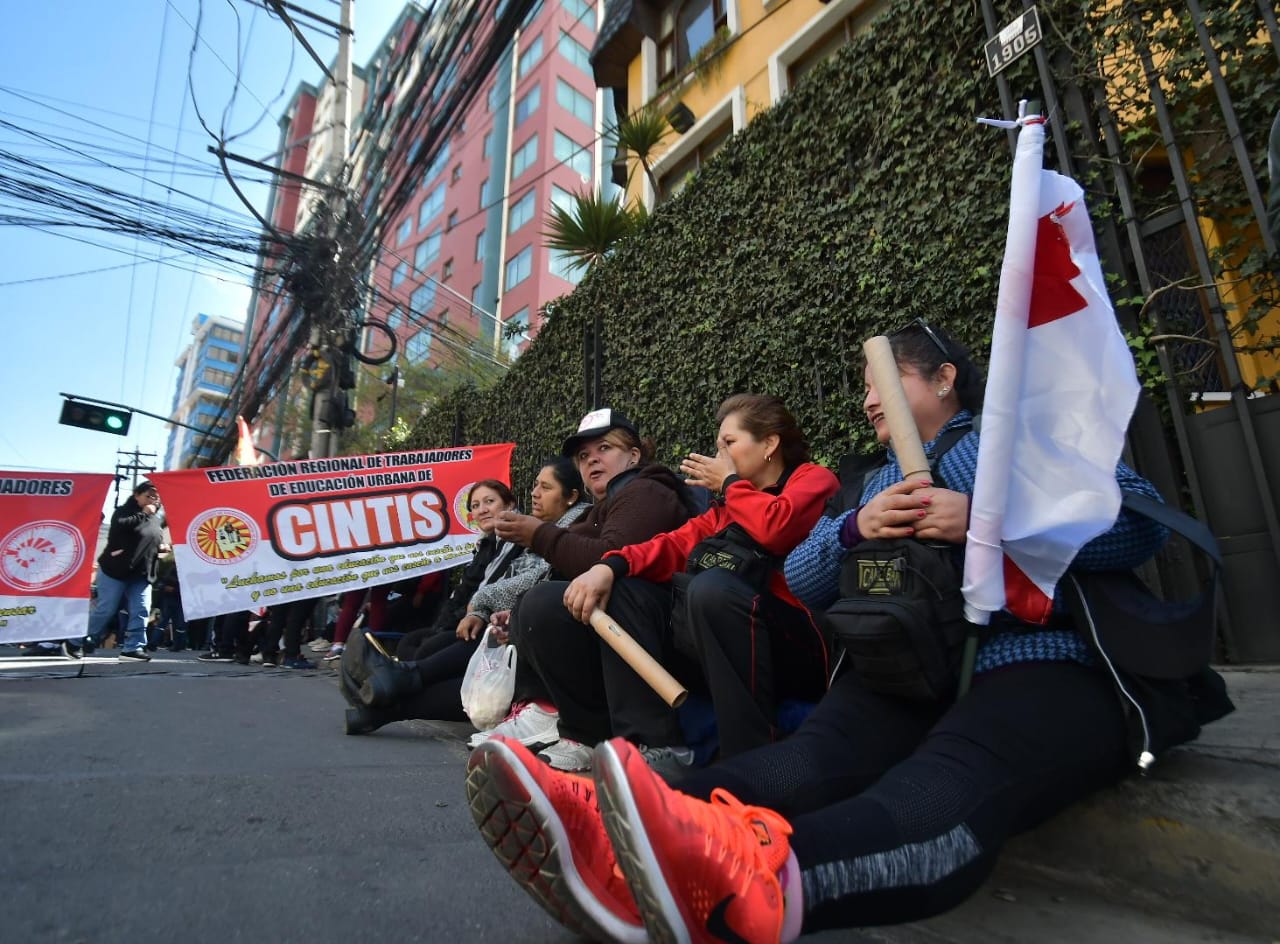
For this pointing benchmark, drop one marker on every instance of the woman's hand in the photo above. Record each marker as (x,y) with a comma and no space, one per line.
(895,512)
(469,627)
(588,591)
(946,515)
(499,624)
(517,528)
(707,471)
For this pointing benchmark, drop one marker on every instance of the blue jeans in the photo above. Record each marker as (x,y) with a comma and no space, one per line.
(134,595)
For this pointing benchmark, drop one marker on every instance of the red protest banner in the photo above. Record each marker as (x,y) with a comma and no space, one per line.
(49,522)
(251,536)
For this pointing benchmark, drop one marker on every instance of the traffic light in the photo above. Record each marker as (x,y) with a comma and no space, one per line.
(341,416)
(105,419)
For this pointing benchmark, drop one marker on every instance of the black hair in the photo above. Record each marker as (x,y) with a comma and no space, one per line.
(566,473)
(927,348)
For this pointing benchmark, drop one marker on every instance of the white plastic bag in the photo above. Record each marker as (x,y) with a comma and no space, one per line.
(490,682)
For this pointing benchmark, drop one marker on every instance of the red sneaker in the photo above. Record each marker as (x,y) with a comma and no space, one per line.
(699,871)
(543,825)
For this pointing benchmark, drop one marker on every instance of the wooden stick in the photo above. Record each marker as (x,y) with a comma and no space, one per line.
(897,412)
(646,666)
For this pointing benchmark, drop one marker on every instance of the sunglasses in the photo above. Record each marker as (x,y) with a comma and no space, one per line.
(922,325)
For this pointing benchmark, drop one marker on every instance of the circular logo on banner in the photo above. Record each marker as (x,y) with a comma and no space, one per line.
(460,509)
(222,536)
(40,555)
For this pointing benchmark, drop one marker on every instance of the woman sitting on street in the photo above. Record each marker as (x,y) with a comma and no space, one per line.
(492,560)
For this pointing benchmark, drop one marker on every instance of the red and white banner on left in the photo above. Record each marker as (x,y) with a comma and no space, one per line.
(49,522)
(251,536)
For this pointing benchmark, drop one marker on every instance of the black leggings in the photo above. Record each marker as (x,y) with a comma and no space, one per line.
(900,810)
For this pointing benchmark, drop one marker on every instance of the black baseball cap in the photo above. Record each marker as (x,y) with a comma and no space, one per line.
(597,423)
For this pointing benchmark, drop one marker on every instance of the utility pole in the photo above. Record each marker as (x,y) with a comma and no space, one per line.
(324,434)
(134,467)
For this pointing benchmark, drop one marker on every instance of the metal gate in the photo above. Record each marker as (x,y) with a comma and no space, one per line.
(1165,112)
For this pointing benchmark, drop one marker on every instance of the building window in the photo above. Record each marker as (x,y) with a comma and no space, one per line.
(822,49)
(437,163)
(488,144)
(694,26)
(398,274)
(519,267)
(515,332)
(581,11)
(531,15)
(521,211)
(526,106)
(405,231)
(672,180)
(575,52)
(456,175)
(427,251)
(573,154)
(480,246)
(423,297)
(395,319)
(418,348)
(452,221)
(446,270)
(561,264)
(570,99)
(431,206)
(529,58)
(484,193)
(562,198)
(523,158)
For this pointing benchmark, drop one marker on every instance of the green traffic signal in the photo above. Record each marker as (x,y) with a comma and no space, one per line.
(105,419)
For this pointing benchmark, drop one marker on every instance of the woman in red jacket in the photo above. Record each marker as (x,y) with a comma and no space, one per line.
(754,641)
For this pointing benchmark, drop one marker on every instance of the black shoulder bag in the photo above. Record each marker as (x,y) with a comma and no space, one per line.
(1157,651)
(899,622)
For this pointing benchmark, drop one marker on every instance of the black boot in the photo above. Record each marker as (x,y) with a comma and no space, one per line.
(368,720)
(389,682)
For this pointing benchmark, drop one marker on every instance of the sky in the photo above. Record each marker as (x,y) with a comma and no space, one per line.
(108,93)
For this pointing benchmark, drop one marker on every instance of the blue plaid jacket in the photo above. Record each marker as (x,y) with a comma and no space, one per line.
(813,567)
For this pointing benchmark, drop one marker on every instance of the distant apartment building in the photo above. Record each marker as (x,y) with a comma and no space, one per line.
(207,371)
(463,271)
(459,270)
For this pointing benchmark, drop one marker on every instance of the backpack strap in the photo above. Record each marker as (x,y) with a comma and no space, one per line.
(1178,521)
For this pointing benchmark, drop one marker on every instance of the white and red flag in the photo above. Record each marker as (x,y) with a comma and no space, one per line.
(1060,391)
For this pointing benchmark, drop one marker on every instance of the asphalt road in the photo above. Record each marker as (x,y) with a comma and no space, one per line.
(184,801)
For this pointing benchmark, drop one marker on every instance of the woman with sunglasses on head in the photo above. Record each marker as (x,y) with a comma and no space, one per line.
(879,809)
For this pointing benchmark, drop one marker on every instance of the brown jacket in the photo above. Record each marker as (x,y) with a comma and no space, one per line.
(639,505)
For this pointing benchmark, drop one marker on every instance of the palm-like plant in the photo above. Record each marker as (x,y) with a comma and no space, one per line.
(641,133)
(590,227)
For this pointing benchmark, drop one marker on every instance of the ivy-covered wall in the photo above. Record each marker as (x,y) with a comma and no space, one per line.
(865,198)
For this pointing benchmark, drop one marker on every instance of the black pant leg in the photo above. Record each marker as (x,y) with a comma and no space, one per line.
(1025,743)
(636,711)
(754,649)
(845,744)
(565,656)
